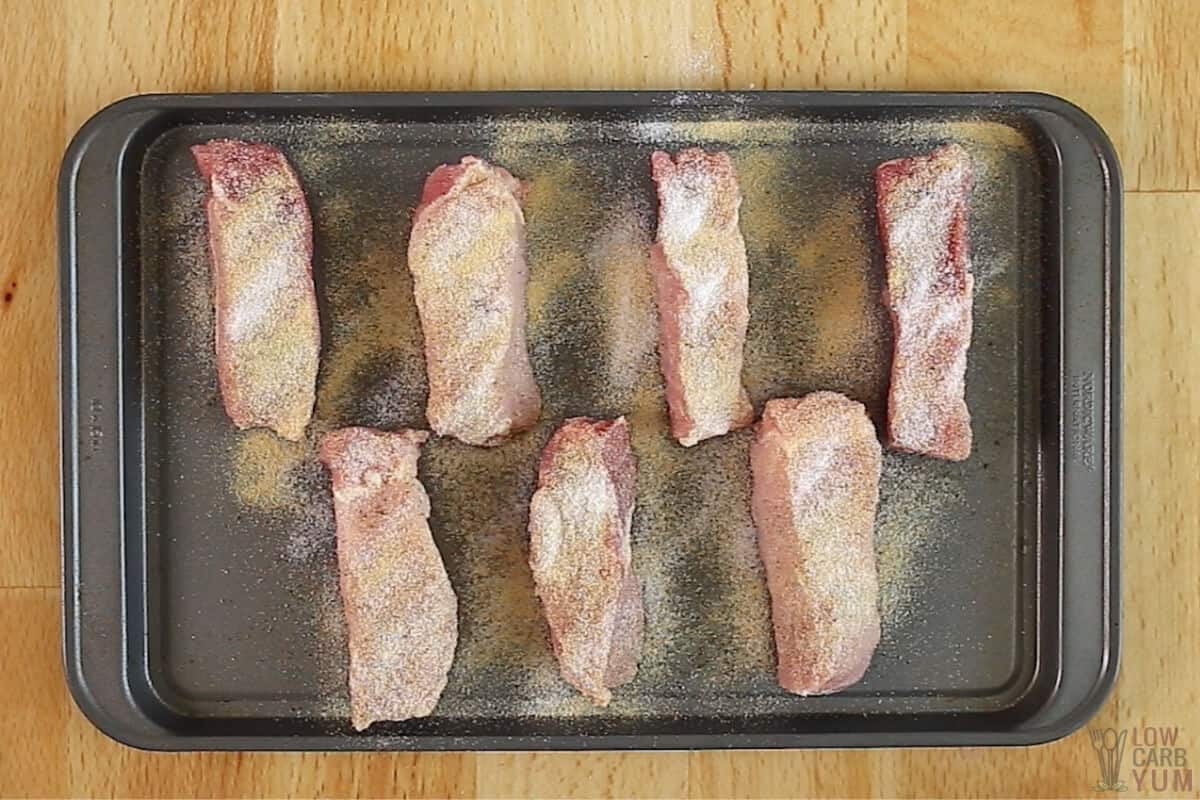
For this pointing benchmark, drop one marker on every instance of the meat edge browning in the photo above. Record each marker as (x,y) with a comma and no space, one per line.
(774,517)
(625,642)
(442,182)
(685,428)
(952,438)
(208,157)
(355,475)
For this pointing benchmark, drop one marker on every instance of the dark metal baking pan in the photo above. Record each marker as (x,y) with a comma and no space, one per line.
(199,587)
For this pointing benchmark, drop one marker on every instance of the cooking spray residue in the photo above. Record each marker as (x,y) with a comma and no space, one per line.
(620,259)
(914,518)
(262,469)
(816,322)
(372,370)
(815,317)
(716,133)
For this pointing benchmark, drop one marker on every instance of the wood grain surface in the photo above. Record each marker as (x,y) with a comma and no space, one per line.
(1134,64)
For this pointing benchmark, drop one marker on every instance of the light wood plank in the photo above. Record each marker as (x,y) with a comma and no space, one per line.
(124,47)
(411,45)
(794,774)
(99,766)
(1069,49)
(562,775)
(1162,442)
(32,694)
(1162,94)
(32,66)
(814,44)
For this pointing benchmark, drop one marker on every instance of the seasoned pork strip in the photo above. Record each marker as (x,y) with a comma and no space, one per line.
(401,612)
(260,238)
(579,550)
(467,257)
(701,289)
(923,224)
(816,465)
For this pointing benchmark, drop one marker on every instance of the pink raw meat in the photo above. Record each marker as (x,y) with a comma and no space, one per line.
(701,289)
(467,257)
(268,337)
(923,224)
(579,550)
(401,612)
(816,466)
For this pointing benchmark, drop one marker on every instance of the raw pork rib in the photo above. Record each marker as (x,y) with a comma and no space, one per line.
(401,612)
(267,334)
(467,256)
(923,223)
(579,550)
(701,288)
(816,466)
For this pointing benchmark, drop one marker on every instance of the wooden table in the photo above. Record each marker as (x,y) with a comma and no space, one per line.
(1135,65)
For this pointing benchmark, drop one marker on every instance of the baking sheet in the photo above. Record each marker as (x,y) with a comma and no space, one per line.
(243,620)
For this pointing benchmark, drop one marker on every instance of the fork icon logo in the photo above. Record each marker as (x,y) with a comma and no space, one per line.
(1109,744)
